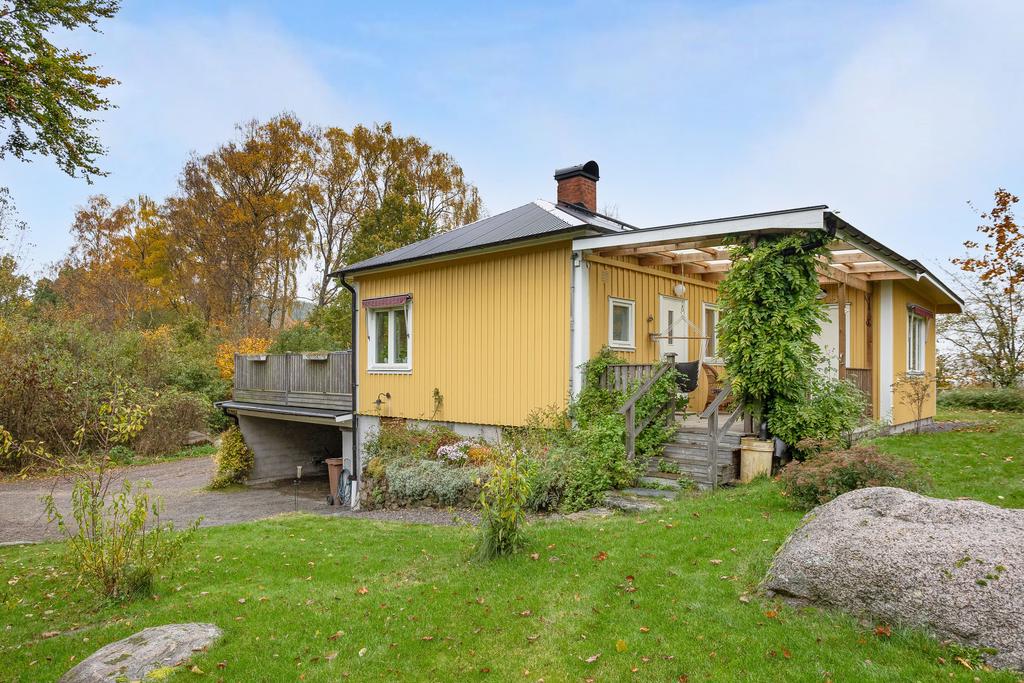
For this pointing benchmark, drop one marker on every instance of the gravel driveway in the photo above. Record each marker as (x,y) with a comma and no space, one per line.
(181,483)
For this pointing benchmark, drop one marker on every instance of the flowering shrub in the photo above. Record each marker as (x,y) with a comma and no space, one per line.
(456,453)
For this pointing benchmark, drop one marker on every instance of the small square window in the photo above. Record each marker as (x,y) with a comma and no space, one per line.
(390,338)
(621,324)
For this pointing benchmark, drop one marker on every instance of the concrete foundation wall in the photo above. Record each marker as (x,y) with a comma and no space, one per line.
(280,445)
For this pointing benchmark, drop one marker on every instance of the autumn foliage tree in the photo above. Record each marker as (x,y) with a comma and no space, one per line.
(118,269)
(237,226)
(987,339)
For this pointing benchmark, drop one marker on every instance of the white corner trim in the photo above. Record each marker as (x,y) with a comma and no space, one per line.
(886,341)
(580,342)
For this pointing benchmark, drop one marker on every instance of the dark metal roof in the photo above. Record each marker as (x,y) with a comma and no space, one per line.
(528,221)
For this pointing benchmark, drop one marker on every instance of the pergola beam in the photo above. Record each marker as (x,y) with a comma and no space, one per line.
(848,279)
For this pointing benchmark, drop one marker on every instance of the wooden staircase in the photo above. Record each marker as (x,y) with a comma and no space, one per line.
(687,452)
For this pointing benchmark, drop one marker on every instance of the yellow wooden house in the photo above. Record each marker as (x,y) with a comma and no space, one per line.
(478,327)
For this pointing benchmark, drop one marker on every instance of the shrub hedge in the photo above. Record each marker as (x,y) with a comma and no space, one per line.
(824,476)
(980,398)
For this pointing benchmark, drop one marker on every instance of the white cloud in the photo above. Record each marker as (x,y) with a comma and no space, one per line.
(185,83)
(919,119)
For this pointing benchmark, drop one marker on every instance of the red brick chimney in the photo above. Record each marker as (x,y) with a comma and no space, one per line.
(578,185)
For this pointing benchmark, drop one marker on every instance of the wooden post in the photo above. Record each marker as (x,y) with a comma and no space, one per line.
(713,449)
(630,433)
(842,330)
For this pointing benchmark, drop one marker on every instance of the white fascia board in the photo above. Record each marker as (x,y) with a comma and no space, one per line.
(802,219)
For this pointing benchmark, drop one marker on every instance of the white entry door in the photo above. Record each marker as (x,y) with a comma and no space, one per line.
(672,313)
(828,340)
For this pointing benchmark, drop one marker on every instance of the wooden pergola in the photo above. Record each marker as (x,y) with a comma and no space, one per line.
(845,266)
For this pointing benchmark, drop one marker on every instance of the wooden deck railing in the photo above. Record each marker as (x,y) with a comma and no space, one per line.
(716,432)
(306,380)
(623,378)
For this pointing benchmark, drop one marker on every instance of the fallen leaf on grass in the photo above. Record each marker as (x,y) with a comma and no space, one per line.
(771,614)
(883,631)
(601,556)
(363,590)
(49,634)
(525,613)
(534,556)
(644,629)
(336,635)
(593,658)
(330,656)
(532,639)
(620,645)
(716,562)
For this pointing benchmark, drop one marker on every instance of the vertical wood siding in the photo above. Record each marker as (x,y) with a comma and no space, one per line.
(490,333)
(904,293)
(644,288)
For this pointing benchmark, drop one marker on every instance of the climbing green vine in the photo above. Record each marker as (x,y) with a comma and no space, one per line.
(770,314)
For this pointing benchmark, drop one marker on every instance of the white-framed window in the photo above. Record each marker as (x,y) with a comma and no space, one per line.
(390,338)
(621,323)
(711,332)
(917,337)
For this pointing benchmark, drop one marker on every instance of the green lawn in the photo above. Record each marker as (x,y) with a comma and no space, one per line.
(984,462)
(677,588)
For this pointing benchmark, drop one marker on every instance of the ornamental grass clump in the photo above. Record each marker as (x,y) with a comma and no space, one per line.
(503,507)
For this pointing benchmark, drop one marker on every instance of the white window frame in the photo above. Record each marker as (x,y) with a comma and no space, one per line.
(713,333)
(371,340)
(625,345)
(917,358)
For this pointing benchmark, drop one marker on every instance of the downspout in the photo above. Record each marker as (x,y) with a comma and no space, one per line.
(354,477)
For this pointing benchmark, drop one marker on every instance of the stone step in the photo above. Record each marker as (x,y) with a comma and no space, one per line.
(649,493)
(658,481)
(702,437)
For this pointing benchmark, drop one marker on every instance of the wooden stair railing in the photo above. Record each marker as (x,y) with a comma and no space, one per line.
(628,409)
(715,433)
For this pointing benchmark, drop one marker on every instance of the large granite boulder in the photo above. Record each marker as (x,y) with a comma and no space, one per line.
(954,567)
(153,648)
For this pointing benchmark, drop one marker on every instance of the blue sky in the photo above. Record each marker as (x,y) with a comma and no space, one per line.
(895,113)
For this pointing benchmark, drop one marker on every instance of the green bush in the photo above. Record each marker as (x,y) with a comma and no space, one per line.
(502,504)
(234,460)
(396,441)
(303,337)
(978,398)
(116,542)
(173,414)
(833,409)
(824,476)
(121,455)
(433,482)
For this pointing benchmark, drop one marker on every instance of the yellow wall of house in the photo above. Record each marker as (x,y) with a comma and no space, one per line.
(903,408)
(858,330)
(643,285)
(489,332)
